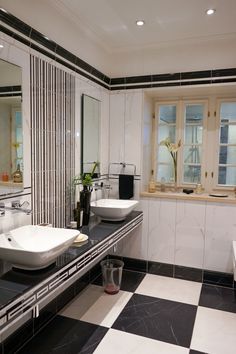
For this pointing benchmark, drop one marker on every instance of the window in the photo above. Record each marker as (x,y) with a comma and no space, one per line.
(227,143)
(208,142)
(167,114)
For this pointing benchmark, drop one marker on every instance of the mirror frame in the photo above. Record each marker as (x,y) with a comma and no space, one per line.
(96,174)
(12,90)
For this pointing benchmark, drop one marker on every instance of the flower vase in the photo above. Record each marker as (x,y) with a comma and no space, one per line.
(175,175)
(85,198)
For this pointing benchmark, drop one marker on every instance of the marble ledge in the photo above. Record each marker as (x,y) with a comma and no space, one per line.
(193,196)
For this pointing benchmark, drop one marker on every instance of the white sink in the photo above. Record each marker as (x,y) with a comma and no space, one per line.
(113,209)
(35,247)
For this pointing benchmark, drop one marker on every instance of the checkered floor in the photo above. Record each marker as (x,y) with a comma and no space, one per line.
(151,314)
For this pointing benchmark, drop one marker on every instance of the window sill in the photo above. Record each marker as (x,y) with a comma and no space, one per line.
(193,196)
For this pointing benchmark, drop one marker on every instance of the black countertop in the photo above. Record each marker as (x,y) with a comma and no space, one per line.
(14,282)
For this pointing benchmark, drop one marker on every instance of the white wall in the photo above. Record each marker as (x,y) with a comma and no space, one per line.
(167,58)
(126,110)
(186,233)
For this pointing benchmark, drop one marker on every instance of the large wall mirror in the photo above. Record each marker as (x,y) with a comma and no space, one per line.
(90,133)
(11,135)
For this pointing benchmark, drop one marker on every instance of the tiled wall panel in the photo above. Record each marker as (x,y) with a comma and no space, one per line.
(52,142)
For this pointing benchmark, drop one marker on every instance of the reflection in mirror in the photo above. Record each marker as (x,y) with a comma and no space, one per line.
(90,134)
(11,136)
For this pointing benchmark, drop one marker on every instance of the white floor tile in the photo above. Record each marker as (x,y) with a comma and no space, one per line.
(214,331)
(117,342)
(97,307)
(170,289)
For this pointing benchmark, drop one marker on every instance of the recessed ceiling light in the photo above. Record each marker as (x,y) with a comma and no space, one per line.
(140,22)
(210,11)
(1,46)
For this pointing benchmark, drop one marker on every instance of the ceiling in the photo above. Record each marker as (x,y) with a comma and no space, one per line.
(111,23)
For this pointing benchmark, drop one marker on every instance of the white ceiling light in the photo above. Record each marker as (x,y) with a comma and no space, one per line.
(140,22)
(210,11)
(1,46)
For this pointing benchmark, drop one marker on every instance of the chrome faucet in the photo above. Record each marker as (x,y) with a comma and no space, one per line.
(15,205)
(98,186)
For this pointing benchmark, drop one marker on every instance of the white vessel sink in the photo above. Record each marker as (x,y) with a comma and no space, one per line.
(35,247)
(113,209)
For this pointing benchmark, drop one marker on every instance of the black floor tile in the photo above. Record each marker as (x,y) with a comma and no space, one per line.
(130,280)
(219,298)
(159,319)
(196,352)
(65,335)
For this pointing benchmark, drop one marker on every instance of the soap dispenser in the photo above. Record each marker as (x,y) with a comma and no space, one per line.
(17,175)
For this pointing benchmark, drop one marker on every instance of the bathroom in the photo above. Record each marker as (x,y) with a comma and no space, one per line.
(183,239)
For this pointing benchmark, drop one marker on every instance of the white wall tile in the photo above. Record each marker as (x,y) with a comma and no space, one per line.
(117,119)
(220,231)
(133,128)
(190,233)
(135,244)
(161,237)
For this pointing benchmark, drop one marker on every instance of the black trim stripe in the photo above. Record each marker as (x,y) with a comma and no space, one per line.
(54,51)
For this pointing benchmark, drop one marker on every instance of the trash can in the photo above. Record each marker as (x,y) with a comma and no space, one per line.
(112,275)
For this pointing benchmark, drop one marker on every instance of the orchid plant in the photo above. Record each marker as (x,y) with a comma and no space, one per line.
(173,150)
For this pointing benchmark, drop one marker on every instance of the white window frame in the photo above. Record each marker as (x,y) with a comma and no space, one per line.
(215,183)
(155,131)
(180,123)
(205,103)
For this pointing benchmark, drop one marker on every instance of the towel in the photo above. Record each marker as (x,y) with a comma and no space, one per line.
(126,186)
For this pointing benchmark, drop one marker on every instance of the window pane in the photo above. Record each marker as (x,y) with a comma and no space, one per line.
(19,151)
(19,135)
(228,134)
(164,155)
(227,155)
(167,114)
(194,113)
(192,154)
(166,131)
(18,119)
(227,175)
(165,171)
(228,112)
(192,174)
(193,134)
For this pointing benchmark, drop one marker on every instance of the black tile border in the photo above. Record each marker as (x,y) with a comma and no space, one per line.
(55,52)
(218,278)
(178,272)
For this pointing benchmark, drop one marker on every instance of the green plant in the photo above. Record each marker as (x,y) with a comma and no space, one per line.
(86,179)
